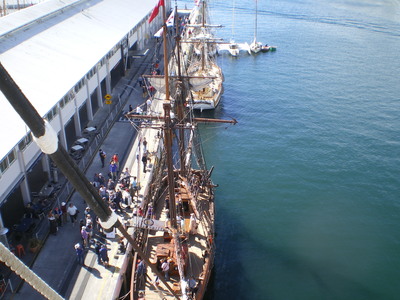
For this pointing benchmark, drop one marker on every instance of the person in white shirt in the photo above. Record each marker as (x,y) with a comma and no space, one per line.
(193,224)
(126,173)
(165,268)
(127,197)
(148,106)
(73,213)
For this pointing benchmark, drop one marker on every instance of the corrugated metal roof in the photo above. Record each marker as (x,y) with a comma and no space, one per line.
(48,58)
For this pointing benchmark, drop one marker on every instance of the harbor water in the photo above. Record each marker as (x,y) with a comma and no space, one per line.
(308,203)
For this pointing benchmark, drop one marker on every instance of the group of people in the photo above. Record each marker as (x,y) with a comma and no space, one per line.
(120,188)
(113,165)
(139,108)
(34,209)
(101,252)
(144,84)
(117,193)
(86,228)
(59,216)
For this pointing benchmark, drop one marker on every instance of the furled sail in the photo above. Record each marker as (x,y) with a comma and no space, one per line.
(198,84)
(158,83)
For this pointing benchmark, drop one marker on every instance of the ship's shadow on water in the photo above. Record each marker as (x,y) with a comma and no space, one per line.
(218,113)
(237,253)
(212,114)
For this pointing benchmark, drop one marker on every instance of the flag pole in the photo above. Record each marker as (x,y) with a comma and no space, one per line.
(167,96)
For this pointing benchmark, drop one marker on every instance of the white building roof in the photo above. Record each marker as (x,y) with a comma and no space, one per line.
(47,58)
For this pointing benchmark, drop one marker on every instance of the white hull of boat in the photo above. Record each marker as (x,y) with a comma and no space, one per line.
(255,47)
(233,49)
(207,104)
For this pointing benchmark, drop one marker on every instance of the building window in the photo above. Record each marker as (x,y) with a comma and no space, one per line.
(52,113)
(79,85)
(28,138)
(25,142)
(91,73)
(22,145)
(7,161)
(64,101)
(3,165)
(11,157)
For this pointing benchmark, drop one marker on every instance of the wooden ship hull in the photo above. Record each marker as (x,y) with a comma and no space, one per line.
(188,248)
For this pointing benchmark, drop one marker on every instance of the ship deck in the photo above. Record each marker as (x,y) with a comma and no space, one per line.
(161,247)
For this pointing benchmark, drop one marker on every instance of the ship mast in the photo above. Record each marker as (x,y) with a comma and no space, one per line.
(255,26)
(165,54)
(168,146)
(180,99)
(168,130)
(203,58)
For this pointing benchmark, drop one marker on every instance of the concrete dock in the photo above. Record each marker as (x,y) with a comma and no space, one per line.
(56,262)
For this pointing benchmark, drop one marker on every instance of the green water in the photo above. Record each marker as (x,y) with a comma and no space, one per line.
(308,202)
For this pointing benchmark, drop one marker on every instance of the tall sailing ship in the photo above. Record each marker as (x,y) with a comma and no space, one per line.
(200,47)
(175,227)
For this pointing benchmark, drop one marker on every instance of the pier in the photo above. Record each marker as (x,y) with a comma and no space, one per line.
(56,261)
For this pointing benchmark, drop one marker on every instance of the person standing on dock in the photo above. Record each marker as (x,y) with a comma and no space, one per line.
(97,248)
(144,145)
(103,192)
(53,223)
(85,237)
(73,213)
(125,177)
(127,173)
(104,255)
(102,180)
(127,198)
(102,155)
(57,214)
(110,185)
(113,170)
(133,186)
(96,182)
(64,212)
(144,161)
(140,81)
(79,254)
(115,159)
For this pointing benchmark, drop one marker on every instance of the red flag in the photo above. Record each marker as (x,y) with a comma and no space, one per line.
(155,10)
